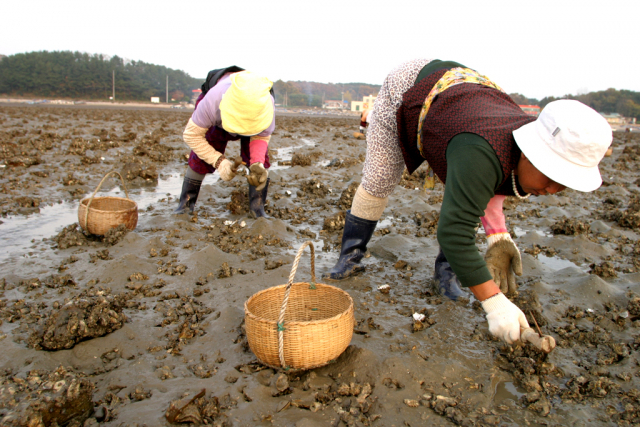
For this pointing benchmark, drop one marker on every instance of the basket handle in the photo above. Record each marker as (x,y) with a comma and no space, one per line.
(86,215)
(288,290)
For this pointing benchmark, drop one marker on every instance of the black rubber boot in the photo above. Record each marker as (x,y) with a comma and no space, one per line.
(355,237)
(189,195)
(257,199)
(446,281)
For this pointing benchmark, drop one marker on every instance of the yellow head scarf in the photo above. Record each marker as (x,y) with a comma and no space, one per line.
(246,107)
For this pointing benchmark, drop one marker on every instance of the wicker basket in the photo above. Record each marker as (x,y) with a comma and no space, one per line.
(97,215)
(299,325)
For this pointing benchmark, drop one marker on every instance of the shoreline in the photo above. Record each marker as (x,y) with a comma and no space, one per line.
(159,107)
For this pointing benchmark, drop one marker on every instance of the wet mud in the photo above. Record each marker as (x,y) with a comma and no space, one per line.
(145,327)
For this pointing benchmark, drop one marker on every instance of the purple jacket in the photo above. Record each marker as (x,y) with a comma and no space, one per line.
(208,114)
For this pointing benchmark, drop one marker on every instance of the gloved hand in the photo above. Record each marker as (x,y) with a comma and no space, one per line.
(504,317)
(504,262)
(257,176)
(227,170)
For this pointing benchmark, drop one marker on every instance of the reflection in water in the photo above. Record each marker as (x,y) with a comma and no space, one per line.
(521,232)
(507,390)
(558,263)
(286,153)
(17,233)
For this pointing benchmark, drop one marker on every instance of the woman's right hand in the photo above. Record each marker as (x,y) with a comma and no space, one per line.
(227,170)
(504,317)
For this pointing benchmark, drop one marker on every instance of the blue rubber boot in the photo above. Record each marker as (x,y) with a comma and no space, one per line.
(189,195)
(446,281)
(257,199)
(355,237)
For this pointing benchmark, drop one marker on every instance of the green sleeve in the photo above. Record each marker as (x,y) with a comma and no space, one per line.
(473,175)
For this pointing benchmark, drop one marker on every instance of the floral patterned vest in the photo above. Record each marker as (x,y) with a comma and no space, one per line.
(473,108)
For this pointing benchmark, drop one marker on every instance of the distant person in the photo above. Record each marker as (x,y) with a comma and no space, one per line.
(234,105)
(364,121)
(484,147)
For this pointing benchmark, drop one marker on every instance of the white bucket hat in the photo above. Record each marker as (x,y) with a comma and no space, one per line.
(566,143)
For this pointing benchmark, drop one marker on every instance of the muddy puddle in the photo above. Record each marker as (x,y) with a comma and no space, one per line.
(19,231)
(145,327)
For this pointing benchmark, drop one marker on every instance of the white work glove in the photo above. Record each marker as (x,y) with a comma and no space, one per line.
(503,261)
(504,317)
(227,170)
(257,176)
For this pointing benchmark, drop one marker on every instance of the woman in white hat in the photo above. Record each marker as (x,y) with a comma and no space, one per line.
(235,104)
(484,147)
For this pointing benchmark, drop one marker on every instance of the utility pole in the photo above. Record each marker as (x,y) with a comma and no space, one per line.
(113,84)
(167,90)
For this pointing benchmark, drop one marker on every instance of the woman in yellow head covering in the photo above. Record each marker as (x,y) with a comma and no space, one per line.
(239,105)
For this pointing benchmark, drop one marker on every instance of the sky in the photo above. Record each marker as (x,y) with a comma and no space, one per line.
(535,48)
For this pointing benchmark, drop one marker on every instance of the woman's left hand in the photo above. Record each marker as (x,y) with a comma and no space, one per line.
(257,176)
(504,261)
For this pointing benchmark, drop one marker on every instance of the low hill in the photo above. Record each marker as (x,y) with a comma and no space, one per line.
(83,76)
(77,75)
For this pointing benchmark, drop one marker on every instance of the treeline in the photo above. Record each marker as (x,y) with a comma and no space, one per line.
(78,75)
(312,94)
(624,102)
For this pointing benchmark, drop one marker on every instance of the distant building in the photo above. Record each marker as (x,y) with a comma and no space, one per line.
(532,110)
(366,104)
(155,99)
(332,105)
(613,118)
(195,94)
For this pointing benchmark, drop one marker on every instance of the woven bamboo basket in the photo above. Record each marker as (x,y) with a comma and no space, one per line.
(299,325)
(97,215)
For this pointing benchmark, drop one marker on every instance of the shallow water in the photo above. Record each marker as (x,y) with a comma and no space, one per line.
(557,263)
(286,153)
(507,390)
(19,233)
(521,232)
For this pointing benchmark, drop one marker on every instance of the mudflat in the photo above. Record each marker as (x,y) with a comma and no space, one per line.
(146,327)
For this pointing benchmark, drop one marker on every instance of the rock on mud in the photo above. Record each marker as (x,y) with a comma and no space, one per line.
(334,222)
(300,160)
(570,227)
(605,269)
(346,198)
(79,320)
(70,236)
(132,170)
(45,399)
(115,234)
(198,410)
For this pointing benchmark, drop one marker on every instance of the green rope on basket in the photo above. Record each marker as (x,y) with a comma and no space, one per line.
(281,327)
(312,285)
(314,309)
